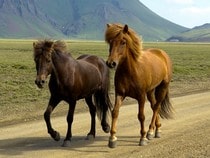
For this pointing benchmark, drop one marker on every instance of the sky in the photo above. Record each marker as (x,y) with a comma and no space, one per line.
(188,13)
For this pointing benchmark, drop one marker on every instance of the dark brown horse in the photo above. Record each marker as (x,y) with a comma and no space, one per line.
(71,80)
(139,73)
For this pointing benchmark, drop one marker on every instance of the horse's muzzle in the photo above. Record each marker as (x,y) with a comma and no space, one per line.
(111,64)
(40,83)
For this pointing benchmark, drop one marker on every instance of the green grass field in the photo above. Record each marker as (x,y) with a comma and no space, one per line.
(21,99)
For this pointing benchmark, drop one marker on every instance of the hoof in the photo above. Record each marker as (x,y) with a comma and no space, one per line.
(90,137)
(106,128)
(143,142)
(55,136)
(157,134)
(112,143)
(150,135)
(66,143)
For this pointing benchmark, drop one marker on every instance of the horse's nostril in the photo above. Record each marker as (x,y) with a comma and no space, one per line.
(36,82)
(114,64)
(42,82)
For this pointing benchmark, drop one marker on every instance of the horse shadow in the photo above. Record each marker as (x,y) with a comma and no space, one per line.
(17,146)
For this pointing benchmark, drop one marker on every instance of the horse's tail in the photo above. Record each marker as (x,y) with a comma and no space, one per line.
(166,110)
(103,104)
(102,99)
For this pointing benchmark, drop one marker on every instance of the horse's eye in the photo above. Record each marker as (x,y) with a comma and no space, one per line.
(48,60)
(123,42)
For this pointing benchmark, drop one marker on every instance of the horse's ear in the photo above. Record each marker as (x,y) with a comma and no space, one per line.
(125,29)
(108,25)
(34,44)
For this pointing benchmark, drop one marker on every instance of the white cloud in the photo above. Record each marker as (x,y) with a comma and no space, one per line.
(181,2)
(187,13)
(196,10)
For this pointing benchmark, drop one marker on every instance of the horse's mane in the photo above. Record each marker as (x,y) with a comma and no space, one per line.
(134,42)
(49,45)
(60,46)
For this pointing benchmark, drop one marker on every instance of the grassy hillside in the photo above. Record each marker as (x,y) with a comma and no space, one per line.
(197,34)
(79,19)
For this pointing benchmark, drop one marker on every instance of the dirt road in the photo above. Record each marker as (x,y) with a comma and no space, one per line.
(188,135)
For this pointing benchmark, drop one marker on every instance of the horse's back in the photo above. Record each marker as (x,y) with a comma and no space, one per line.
(157,64)
(98,62)
(158,53)
(159,57)
(92,59)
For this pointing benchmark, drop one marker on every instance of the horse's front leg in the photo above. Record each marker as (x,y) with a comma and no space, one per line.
(51,106)
(115,113)
(70,118)
(141,117)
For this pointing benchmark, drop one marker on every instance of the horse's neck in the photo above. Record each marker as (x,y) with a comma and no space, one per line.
(130,63)
(63,64)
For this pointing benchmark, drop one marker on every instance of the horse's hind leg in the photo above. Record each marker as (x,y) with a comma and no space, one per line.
(152,100)
(104,122)
(102,106)
(51,106)
(92,110)
(160,94)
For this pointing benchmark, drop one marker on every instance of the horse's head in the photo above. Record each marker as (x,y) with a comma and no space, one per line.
(117,47)
(42,58)
(123,41)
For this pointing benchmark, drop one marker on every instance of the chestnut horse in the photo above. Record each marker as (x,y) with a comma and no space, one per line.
(139,73)
(71,80)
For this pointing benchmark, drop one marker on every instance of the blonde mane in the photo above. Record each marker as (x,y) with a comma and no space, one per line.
(134,42)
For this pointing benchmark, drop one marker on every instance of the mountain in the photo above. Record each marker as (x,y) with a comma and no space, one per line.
(196,34)
(80,19)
